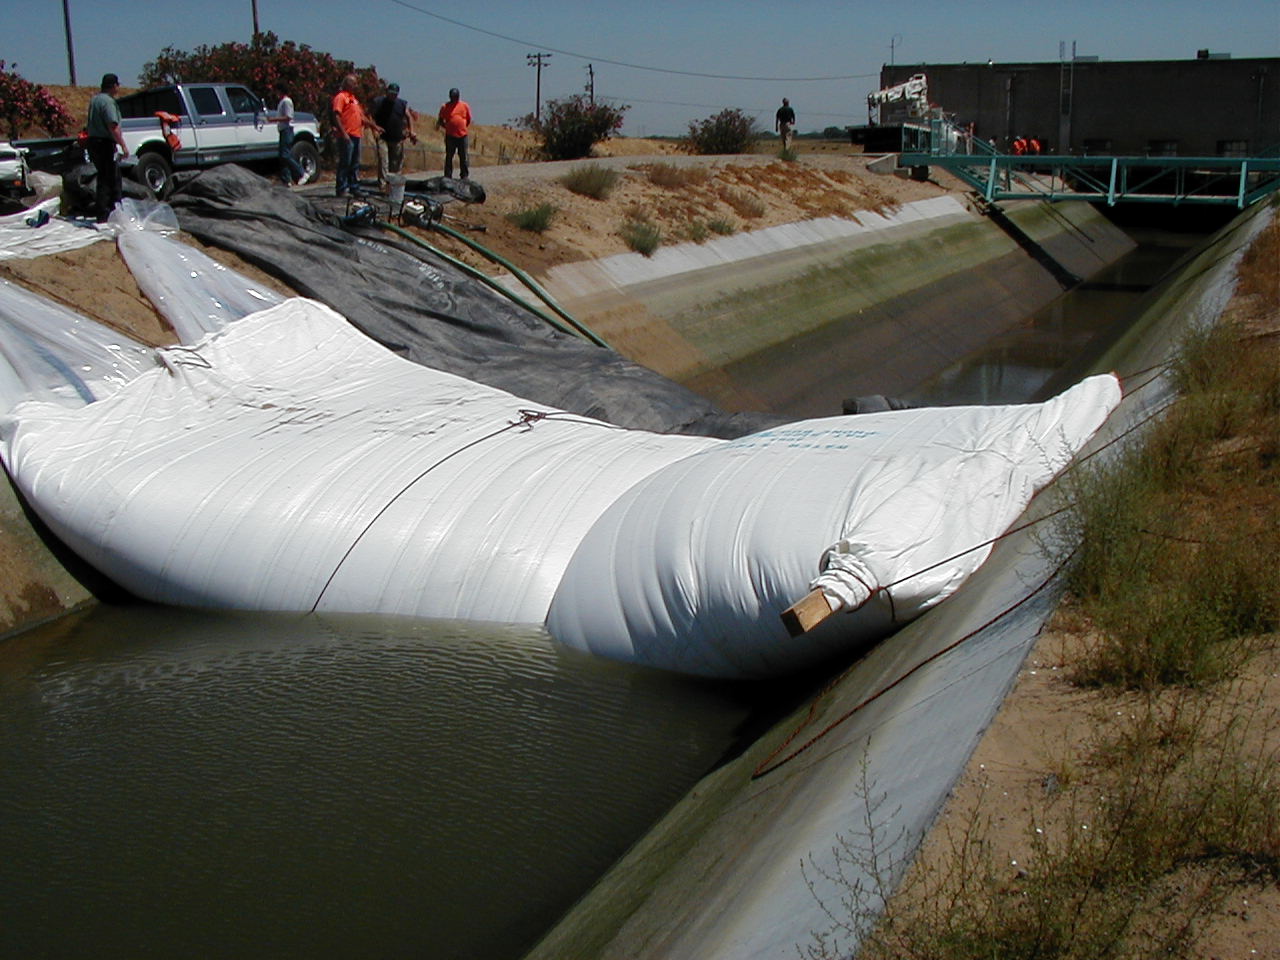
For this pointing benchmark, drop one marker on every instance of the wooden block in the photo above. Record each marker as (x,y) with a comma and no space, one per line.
(806,613)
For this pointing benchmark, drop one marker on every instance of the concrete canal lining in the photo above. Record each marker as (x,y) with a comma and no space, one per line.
(747,867)
(797,318)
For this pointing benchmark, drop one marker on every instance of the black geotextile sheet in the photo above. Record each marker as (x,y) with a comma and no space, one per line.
(434,314)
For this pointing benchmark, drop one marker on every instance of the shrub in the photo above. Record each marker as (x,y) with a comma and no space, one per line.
(536,218)
(729,131)
(591,180)
(697,231)
(670,176)
(722,226)
(570,128)
(24,104)
(313,77)
(641,236)
(744,204)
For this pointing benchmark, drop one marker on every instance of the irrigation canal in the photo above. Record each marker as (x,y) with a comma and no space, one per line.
(174,782)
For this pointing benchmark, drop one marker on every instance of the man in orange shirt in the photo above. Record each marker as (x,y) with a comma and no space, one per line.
(349,121)
(454,118)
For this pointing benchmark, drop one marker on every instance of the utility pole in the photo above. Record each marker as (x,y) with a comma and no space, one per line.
(71,52)
(591,84)
(537,60)
(893,43)
(255,18)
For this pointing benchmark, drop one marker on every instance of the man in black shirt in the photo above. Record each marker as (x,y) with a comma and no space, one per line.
(784,121)
(395,118)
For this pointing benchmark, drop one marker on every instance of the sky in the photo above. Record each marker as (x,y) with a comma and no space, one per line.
(672,63)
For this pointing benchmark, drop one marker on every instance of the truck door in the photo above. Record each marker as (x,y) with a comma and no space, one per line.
(256,137)
(213,126)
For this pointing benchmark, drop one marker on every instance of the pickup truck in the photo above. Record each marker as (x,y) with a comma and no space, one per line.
(191,126)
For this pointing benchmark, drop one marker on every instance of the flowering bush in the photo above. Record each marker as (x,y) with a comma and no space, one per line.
(729,131)
(313,77)
(24,105)
(570,128)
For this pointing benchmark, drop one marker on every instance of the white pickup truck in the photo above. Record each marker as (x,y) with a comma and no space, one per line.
(191,126)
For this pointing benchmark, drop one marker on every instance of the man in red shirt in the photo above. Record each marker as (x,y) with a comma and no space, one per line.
(349,121)
(454,118)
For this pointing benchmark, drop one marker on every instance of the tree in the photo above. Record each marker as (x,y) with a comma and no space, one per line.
(570,128)
(24,105)
(729,131)
(313,77)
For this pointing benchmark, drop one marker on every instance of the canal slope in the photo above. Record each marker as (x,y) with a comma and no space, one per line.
(829,805)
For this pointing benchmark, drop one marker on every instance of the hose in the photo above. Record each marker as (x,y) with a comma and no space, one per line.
(524,278)
(478,274)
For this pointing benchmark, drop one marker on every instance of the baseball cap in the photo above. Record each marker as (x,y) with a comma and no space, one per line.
(393,88)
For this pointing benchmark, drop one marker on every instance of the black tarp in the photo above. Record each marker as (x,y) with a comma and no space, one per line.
(433,313)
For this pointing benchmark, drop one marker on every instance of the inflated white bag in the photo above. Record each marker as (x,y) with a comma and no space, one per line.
(291,463)
(288,462)
(691,569)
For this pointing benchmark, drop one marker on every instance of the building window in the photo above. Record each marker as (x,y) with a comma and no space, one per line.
(1162,148)
(1094,147)
(1233,148)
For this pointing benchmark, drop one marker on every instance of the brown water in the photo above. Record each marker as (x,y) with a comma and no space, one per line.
(180,784)
(1017,367)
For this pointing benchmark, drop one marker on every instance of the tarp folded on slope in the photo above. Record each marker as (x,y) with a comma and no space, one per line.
(428,311)
(195,293)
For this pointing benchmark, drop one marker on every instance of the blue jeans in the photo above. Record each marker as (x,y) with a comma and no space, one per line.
(348,175)
(290,170)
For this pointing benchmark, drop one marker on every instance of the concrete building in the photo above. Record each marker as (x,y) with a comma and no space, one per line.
(1210,106)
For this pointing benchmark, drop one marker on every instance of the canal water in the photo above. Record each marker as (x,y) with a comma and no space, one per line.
(176,783)
(1021,364)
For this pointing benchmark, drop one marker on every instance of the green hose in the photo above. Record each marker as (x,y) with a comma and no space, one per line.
(478,274)
(524,278)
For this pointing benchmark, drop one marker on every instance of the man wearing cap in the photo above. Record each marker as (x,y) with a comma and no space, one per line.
(103,128)
(395,118)
(453,119)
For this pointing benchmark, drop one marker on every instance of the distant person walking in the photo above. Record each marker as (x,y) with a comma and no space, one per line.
(784,122)
(395,118)
(454,119)
(349,122)
(291,172)
(103,128)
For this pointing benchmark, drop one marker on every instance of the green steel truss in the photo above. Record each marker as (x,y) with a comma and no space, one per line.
(1239,181)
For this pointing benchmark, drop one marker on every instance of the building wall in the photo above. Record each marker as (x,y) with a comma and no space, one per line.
(1130,108)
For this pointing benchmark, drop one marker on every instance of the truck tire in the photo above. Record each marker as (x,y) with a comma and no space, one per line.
(308,157)
(154,173)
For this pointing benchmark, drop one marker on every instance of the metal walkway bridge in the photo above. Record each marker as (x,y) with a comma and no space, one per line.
(1237,181)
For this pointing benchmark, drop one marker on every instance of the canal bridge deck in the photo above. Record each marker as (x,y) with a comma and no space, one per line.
(1234,181)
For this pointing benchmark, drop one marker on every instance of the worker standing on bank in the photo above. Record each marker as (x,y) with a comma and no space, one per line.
(349,122)
(784,122)
(454,119)
(103,128)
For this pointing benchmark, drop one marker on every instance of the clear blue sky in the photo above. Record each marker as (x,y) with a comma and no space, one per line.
(796,42)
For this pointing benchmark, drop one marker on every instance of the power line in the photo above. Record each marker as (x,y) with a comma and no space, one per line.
(622,63)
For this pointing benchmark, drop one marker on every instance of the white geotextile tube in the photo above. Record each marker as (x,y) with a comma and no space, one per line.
(691,569)
(289,462)
(195,293)
(286,461)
